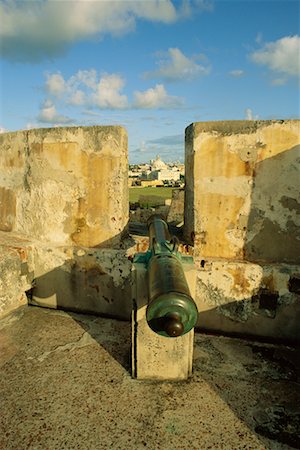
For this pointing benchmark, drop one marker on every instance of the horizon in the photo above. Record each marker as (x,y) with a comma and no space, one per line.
(153,67)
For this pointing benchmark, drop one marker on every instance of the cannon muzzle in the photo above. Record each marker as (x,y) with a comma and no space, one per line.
(171,310)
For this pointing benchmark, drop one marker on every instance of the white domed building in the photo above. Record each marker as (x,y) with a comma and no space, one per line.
(160,171)
(158,164)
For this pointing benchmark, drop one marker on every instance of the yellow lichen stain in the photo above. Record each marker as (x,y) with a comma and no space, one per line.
(11,162)
(12,159)
(214,159)
(221,213)
(92,218)
(7,209)
(88,219)
(66,156)
(240,283)
(36,148)
(279,138)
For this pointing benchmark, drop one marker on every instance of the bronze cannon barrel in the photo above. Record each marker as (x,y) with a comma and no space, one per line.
(171,310)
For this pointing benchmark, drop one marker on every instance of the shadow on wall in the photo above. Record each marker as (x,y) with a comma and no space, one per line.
(261,318)
(273,226)
(270,308)
(95,281)
(89,280)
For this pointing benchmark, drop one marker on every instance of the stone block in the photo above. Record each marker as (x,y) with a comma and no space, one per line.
(249,299)
(89,280)
(67,186)
(16,274)
(176,211)
(156,357)
(241,193)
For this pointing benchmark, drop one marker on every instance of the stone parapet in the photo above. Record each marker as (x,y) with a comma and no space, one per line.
(82,279)
(88,280)
(242,190)
(16,272)
(249,299)
(67,186)
(237,297)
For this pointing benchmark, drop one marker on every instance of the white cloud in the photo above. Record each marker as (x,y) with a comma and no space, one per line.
(237,73)
(55,84)
(32,31)
(77,98)
(280,56)
(3,130)
(86,88)
(189,7)
(48,114)
(174,65)
(107,93)
(156,97)
(87,77)
(171,148)
(249,115)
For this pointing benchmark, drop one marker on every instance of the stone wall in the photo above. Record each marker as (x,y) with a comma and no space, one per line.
(65,185)
(176,212)
(64,215)
(242,215)
(63,219)
(16,272)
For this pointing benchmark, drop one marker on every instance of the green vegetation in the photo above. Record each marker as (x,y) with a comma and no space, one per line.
(149,196)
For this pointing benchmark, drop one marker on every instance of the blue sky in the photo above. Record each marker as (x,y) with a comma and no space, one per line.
(154,66)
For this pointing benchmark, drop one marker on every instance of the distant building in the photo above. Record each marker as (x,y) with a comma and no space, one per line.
(165,175)
(157,171)
(160,171)
(158,164)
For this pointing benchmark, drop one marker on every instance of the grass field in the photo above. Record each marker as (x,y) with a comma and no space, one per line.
(149,195)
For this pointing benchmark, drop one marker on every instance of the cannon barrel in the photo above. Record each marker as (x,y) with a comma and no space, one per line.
(171,311)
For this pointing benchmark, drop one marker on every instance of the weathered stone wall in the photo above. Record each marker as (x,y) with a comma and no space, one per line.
(16,272)
(65,185)
(83,279)
(249,299)
(242,214)
(242,186)
(176,212)
(141,215)
(89,280)
(64,194)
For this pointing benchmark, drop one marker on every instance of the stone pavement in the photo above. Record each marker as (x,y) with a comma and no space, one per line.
(65,384)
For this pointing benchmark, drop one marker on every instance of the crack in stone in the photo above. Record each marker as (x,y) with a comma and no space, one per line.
(83,341)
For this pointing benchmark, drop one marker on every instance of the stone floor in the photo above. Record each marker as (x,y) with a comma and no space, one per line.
(65,384)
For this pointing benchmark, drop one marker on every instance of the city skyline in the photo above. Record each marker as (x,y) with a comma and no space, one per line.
(151,66)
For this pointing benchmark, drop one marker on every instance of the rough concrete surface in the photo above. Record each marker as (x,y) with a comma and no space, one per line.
(65,384)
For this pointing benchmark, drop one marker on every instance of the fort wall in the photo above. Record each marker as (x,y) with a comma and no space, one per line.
(65,185)
(242,217)
(64,216)
(63,219)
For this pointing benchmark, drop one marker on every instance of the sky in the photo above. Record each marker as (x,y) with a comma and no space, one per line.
(153,66)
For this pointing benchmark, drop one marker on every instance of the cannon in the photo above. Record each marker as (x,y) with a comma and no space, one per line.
(171,311)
